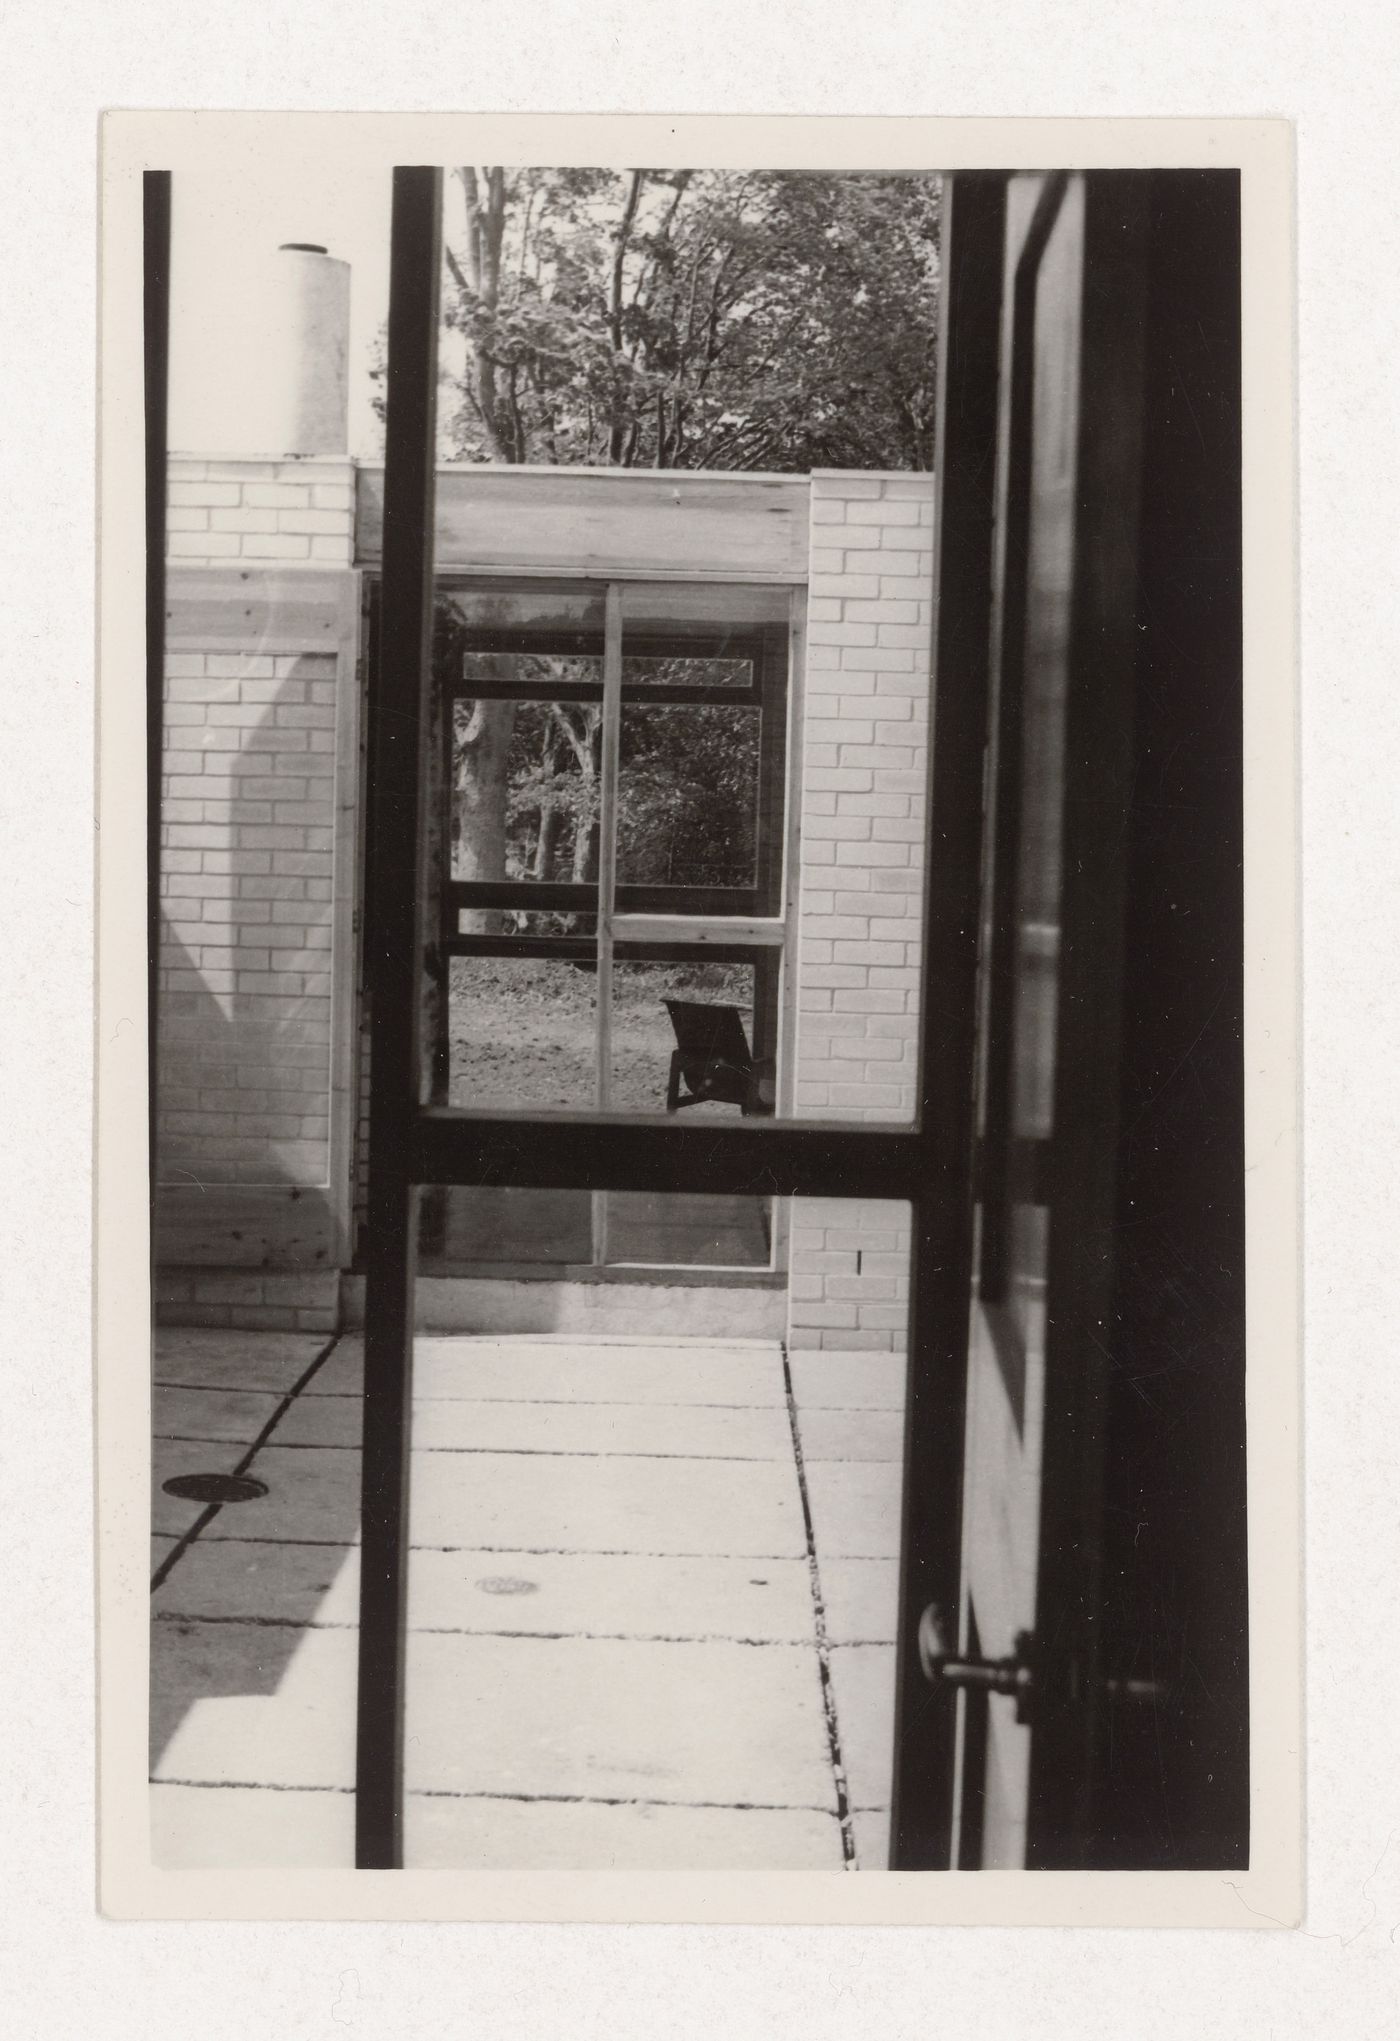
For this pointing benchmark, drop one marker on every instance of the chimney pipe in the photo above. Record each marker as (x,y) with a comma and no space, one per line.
(306,364)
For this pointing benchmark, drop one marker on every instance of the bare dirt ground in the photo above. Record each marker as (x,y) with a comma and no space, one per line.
(523,1032)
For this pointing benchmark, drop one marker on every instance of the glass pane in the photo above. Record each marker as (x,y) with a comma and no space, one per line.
(525,786)
(1040,871)
(522,610)
(522,1034)
(692,671)
(714,611)
(688,796)
(525,921)
(652,1229)
(547,673)
(468,1229)
(691,1022)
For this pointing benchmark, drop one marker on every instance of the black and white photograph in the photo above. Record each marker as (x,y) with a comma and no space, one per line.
(704,1306)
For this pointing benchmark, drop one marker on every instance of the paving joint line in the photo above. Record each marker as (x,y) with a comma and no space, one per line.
(504,1452)
(536,1551)
(519,1799)
(833,1730)
(191,1617)
(530,1402)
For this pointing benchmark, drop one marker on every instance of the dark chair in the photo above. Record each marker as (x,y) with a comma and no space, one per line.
(712,1060)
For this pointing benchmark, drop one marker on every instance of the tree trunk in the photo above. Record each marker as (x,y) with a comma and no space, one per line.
(480,819)
(547,836)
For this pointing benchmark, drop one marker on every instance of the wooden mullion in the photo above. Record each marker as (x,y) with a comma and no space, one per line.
(524,894)
(607,877)
(607,835)
(742,902)
(749,932)
(569,949)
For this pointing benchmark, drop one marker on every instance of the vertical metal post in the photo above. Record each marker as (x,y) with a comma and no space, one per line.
(607,874)
(935,1417)
(155,200)
(399,710)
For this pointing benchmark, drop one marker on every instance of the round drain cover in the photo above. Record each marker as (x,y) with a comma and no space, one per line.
(215,1487)
(507,1584)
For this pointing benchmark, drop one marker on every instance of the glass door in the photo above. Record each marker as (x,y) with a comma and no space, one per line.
(607,844)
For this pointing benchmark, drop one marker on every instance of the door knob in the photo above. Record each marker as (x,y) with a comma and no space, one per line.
(944,1667)
(1015,1675)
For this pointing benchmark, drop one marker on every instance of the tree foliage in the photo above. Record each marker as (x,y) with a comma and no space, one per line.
(772,320)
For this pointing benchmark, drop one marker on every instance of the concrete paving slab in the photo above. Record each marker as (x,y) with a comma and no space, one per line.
(172,1514)
(234,1360)
(551,1595)
(871,1831)
(326,1419)
(613,1596)
(258,1581)
(342,1373)
(855,1508)
(601,1372)
(212,1413)
(536,1503)
(564,1308)
(651,1430)
(724,1723)
(730,1508)
(501,1835)
(720,1723)
(851,1434)
(862,1677)
(252,1704)
(237,1828)
(209,1680)
(312,1494)
(854,1381)
(861,1599)
(705,1342)
(450,1424)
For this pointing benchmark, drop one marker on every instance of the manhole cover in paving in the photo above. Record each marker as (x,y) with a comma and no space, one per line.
(215,1487)
(507,1584)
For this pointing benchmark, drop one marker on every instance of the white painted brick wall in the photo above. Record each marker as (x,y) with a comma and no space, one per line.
(863,777)
(306,1300)
(246,881)
(294,513)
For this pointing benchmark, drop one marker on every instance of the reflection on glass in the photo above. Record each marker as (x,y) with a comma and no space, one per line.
(688,796)
(528,922)
(522,610)
(1050,575)
(472,1228)
(688,671)
(653,1230)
